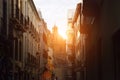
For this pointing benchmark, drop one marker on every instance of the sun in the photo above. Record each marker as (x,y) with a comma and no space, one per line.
(62,32)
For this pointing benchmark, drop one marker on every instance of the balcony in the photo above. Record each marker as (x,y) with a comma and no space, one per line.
(87,26)
(33,32)
(31,60)
(19,21)
(37,37)
(84,29)
(26,23)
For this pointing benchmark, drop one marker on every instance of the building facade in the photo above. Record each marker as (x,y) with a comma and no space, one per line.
(100,24)
(19,40)
(58,45)
(44,47)
(80,47)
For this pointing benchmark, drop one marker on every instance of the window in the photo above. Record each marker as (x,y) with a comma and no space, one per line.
(20,51)
(16,49)
(12,8)
(4,30)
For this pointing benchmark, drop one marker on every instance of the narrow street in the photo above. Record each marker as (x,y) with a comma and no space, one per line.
(59,40)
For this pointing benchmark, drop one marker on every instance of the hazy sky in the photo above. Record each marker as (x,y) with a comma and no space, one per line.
(55,11)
